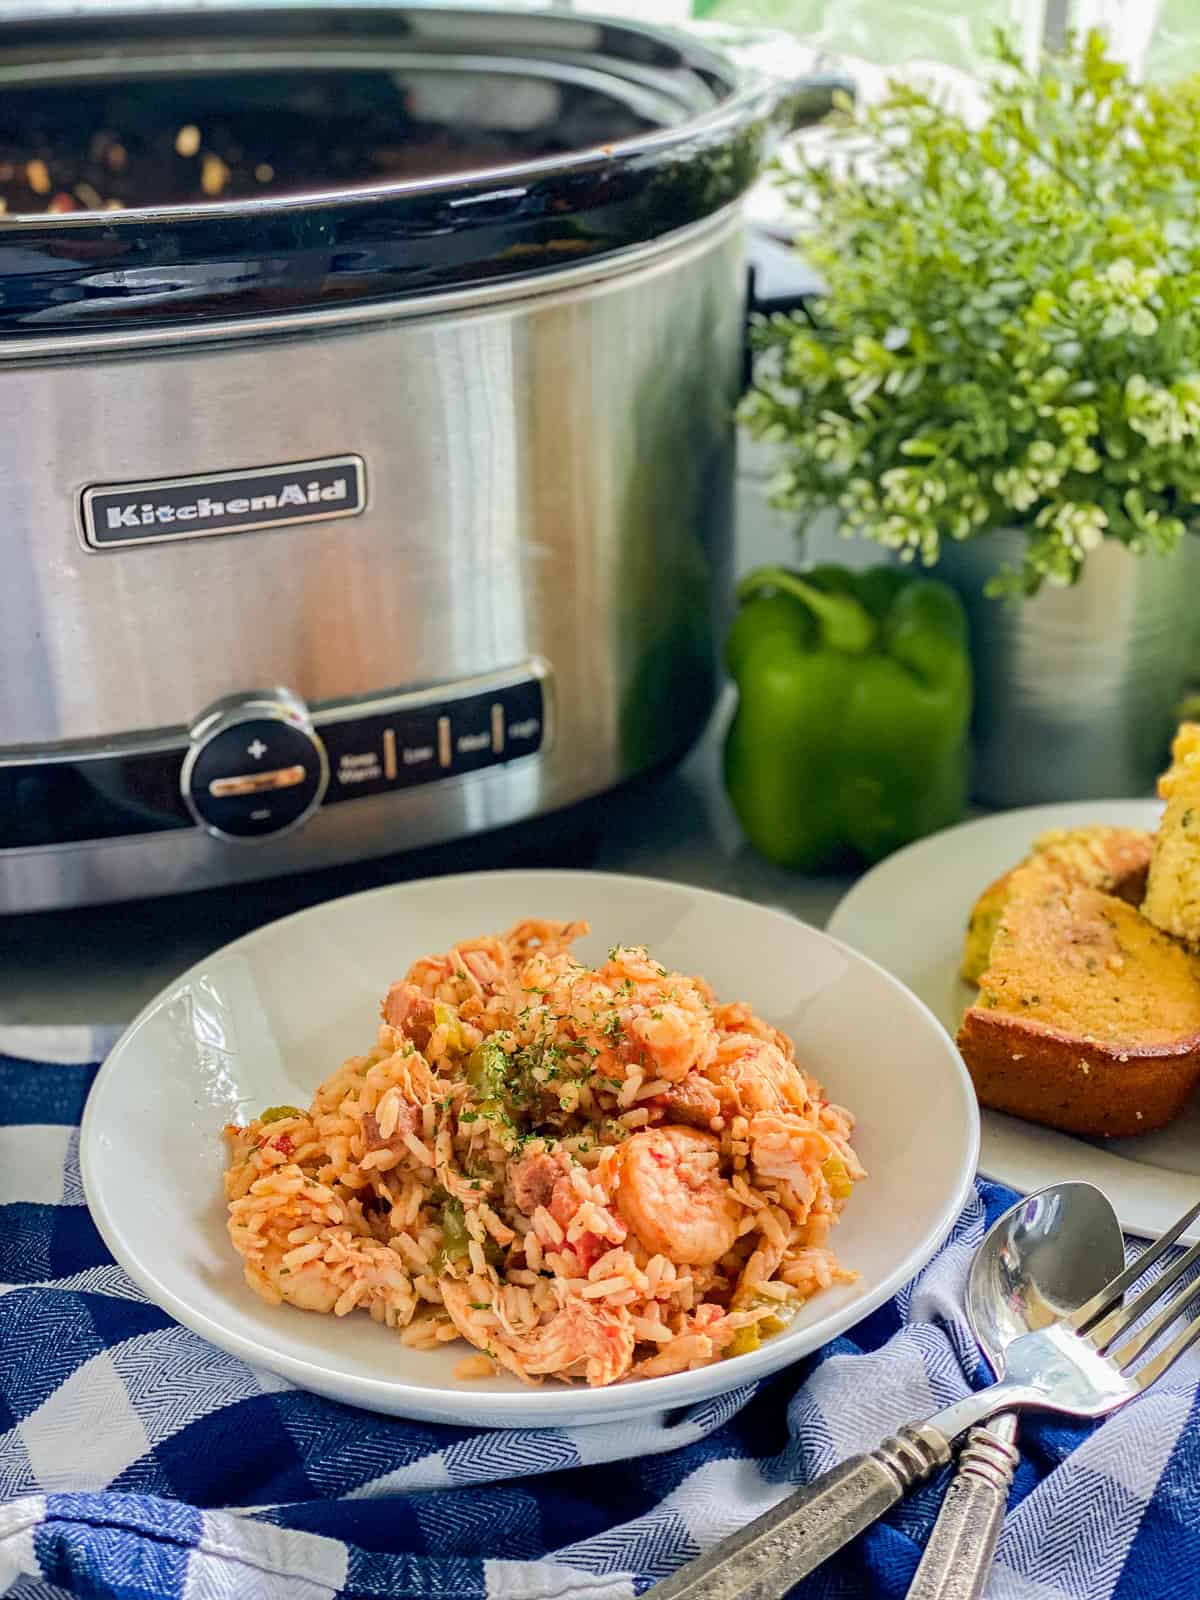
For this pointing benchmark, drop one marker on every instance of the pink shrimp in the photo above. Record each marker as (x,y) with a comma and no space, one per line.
(671,1193)
(674,1038)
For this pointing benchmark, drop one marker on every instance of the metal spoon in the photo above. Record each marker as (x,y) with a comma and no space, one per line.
(1021,1279)
(1080,1365)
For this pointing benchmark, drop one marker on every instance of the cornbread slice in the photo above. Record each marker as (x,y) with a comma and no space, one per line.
(1088,1017)
(1173,887)
(1112,859)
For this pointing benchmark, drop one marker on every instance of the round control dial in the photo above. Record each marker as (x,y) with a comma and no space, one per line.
(256,766)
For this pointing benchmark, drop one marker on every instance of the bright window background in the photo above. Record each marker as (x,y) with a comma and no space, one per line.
(1160,37)
(889,32)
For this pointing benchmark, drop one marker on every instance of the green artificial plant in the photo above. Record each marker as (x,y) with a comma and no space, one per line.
(1011,330)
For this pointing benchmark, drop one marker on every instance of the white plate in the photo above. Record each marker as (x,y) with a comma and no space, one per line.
(265,1019)
(910,914)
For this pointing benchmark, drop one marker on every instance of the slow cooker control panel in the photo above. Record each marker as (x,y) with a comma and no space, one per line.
(255,766)
(421,743)
(258,764)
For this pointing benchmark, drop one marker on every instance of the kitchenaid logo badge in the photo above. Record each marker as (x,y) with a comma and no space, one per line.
(223,502)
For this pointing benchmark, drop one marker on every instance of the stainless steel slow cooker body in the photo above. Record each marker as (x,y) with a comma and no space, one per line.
(311,552)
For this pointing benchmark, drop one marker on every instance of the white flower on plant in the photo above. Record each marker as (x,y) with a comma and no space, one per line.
(1040,472)
(1163,414)
(1120,273)
(833,439)
(1079,525)
(1124,293)
(1015,488)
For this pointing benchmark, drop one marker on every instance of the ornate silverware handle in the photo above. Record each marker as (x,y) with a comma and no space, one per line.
(959,1554)
(766,1558)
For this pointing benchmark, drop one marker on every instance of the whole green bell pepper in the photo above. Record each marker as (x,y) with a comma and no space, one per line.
(854,697)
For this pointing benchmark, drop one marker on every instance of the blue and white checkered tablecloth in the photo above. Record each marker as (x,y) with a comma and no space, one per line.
(137,1462)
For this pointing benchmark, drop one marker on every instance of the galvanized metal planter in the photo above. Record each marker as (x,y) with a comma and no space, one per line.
(1076,689)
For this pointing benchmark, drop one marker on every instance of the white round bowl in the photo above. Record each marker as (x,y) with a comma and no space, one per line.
(262,1021)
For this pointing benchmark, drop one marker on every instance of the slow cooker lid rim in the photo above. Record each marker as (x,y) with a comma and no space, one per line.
(498,295)
(754,101)
(406,240)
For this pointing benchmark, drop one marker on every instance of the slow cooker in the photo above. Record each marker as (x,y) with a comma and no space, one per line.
(366,380)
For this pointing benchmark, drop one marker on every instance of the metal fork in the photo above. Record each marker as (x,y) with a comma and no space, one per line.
(1081,1366)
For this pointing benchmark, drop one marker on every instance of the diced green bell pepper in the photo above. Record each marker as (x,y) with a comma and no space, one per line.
(278,1113)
